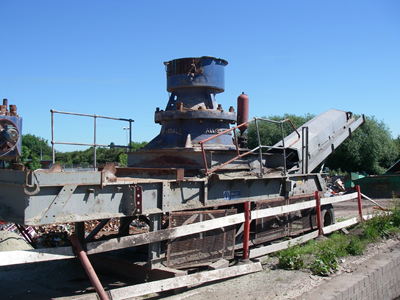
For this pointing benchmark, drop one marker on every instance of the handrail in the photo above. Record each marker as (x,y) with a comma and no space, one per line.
(94,144)
(202,142)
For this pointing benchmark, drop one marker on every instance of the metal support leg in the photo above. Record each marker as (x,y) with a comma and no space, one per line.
(88,268)
(125,222)
(80,232)
(154,248)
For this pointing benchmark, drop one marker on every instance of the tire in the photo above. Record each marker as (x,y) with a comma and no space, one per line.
(327,216)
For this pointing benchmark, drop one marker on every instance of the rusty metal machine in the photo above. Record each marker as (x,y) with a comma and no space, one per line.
(10,128)
(196,169)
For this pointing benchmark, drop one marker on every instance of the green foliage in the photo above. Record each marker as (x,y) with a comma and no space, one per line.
(270,133)
(325,262)
(370,148)
(35,163)
(397,145)
(25,154)
(136,145)
(355,246)
(327,252)
(395,216)
(34,144)
(31,149)
(290,258)
(384,223)
(123,159)
(337,172)
(309,247)
(104,155)
(377,227)
(337,243)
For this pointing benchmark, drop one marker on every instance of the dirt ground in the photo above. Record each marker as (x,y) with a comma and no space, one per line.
(64,280)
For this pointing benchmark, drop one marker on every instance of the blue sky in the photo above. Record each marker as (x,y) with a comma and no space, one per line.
(106,58)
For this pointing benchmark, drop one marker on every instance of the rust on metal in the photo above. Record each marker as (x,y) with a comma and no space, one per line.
(132,171)
(318,209)
(243,111)
(88,268)
(138,199)
(13,110)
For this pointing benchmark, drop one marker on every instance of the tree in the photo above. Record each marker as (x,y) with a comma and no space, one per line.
(123,159)
(397,144)
(104,155)
(25,154)
(270,133)
(34,163)
(370,149)
(136,145)
(63,157)
(36,145)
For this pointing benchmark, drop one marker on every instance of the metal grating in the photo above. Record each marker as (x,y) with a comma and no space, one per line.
(299,221)
(201,248)
(294,223)
(271,228)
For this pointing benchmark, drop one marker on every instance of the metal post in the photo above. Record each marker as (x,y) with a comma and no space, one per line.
(307,139)
(130,135)
(259,145)
(246,231)
(88,268)
(360,212)
(284,150)
(94,146)
(318,209)
(304,154)
(40,144)
(52,136)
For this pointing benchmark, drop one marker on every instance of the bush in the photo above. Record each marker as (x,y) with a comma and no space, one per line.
(395,217)
(325,262)
(377,227)
(290,258)
(355,246)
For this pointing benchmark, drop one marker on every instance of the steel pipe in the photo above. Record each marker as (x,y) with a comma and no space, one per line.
(88,268)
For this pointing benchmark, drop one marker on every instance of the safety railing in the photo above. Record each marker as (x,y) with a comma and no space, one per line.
(260,147)
(94,144)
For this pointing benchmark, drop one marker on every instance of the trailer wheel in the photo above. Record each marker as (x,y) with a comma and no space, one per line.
(327,215)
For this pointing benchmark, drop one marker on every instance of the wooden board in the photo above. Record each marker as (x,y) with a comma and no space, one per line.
(183,281)
(37,255)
